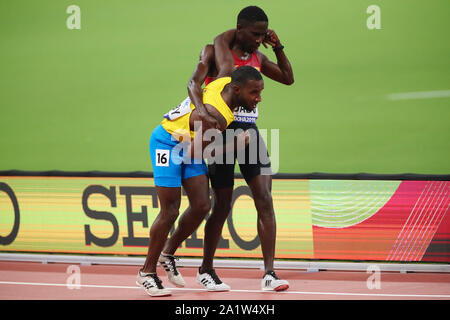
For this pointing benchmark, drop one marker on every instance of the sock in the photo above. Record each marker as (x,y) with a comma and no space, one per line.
(144,274)
(166,254)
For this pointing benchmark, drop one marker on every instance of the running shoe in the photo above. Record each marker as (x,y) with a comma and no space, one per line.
(152,284)
(211,281)
(168,263)
(271,282)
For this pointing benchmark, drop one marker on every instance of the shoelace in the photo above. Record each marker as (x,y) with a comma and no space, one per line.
(272,273)
(214,276)
(171,263)
(148,283)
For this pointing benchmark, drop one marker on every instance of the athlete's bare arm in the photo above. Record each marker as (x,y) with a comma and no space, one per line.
(223,57)
(280,71)
(195,87)
(213,112)
(199,143)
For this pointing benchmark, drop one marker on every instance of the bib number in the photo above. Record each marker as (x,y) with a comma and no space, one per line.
(244,115)
(162,158)
(180,110)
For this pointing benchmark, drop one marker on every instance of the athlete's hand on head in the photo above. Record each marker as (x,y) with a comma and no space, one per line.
(271,39)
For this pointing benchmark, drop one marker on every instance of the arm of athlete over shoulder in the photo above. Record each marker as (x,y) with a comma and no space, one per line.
(222,54)
(213,138)
(282,70)
(203,136)
(194,87)
(201,141)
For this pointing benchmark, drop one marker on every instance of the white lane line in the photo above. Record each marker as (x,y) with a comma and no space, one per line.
(419,95)
(233,290)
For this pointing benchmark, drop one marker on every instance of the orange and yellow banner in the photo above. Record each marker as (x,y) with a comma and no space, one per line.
(316,219)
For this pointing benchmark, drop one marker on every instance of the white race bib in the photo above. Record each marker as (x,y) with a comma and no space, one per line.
(162,158)
(244,115)
(180,110)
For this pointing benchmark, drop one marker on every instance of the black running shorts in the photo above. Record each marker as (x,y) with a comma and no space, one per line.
(256,158)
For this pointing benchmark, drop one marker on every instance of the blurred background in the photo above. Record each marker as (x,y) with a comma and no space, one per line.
(364,100)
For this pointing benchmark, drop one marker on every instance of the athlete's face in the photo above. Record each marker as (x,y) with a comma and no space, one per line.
(251,35)
(250,94)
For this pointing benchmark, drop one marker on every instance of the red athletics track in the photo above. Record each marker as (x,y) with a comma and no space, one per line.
(37,281)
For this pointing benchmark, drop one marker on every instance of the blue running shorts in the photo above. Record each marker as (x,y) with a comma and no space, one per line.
(170,168)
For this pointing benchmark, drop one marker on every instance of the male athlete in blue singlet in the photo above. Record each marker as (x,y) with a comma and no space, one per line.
(234,49)
(174,167)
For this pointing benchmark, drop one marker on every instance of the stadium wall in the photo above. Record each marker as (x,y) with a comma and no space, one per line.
(319,216)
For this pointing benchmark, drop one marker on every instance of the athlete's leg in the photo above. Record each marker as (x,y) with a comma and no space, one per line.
(167,177)
(222,182)
(261,187)
(259,180)
(214,225)
(197,191)
(169,198)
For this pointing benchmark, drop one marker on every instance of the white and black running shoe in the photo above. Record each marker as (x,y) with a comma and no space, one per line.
(167,261)
(152,284)
(211,281)
(271,282)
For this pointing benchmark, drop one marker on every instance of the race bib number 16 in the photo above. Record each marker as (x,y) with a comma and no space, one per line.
(162,158)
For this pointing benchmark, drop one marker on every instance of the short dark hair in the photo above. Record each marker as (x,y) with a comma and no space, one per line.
(242,74)
(251,14)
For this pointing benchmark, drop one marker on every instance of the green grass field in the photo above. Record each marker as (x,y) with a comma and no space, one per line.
(88,99)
